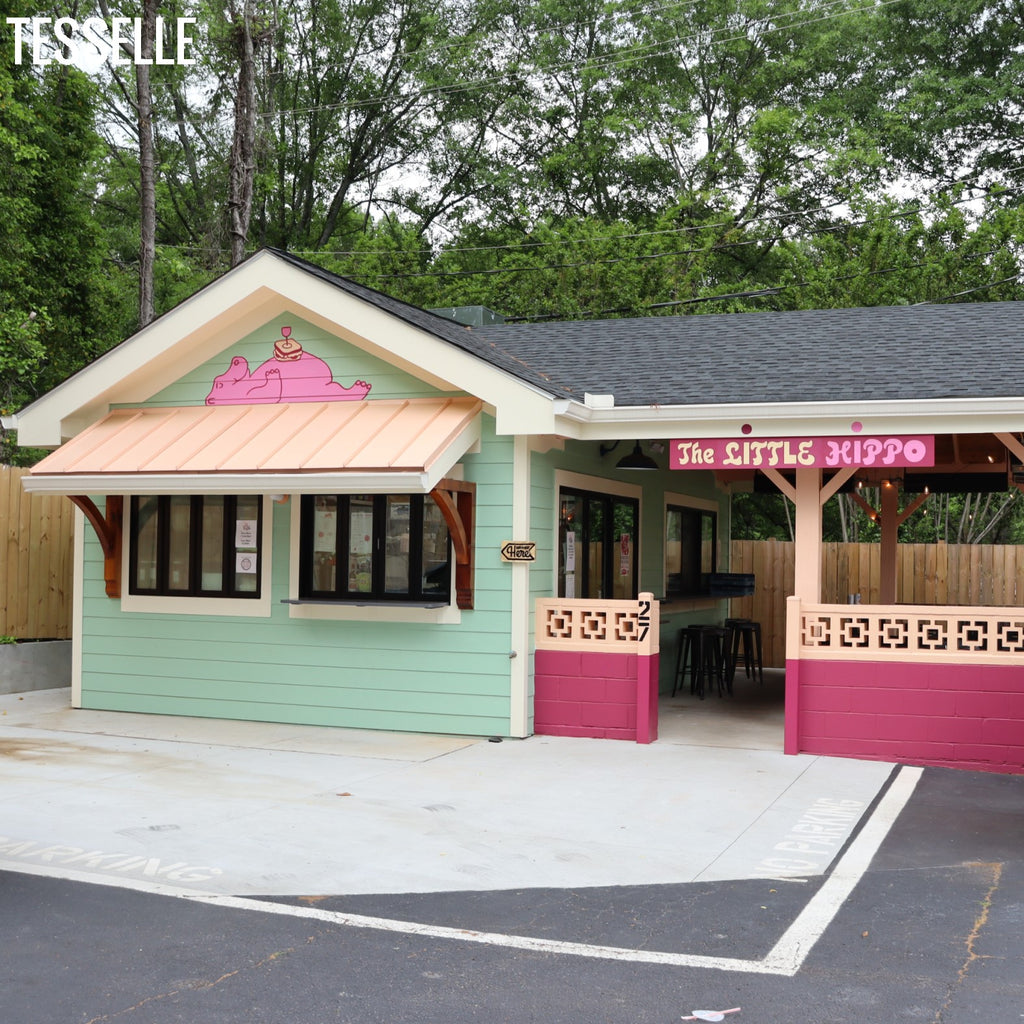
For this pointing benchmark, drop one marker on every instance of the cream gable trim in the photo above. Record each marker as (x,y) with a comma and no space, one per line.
(263,287)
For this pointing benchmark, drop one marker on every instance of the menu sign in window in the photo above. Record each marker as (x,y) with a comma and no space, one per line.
(882,452)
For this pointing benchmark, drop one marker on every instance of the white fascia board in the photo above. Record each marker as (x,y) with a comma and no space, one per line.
(821,419)
(259,289)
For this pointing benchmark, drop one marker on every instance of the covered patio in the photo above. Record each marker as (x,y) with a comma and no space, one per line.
(936,684)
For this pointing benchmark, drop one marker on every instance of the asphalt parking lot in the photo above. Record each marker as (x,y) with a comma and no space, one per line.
(915,914)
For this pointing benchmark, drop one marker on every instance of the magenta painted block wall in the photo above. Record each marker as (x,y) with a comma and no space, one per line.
(600,695)
(954,716)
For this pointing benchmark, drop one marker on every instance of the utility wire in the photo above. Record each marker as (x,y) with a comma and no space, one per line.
(911,211)
(774,290)
(627,56)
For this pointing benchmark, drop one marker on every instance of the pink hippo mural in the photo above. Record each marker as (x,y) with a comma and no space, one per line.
(290,375)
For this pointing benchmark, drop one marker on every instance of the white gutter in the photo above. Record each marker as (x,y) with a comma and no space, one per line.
(939,415)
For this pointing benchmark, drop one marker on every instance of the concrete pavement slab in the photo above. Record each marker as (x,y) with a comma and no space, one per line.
(249,809)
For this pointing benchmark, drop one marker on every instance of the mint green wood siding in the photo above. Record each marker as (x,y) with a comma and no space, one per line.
(423,677)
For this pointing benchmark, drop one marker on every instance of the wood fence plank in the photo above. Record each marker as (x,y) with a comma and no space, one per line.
(941,573)
(65,573)
(36,571)
(23,627)
(6,476)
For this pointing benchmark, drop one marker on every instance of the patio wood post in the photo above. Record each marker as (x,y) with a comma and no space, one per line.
(890,516)
(807,568)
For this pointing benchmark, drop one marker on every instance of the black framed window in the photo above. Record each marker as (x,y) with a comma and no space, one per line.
(373,547)
(691,546)
(195,545)
(597,545)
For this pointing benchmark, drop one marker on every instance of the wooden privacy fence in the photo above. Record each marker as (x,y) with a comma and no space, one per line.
(943,574)
(36,547)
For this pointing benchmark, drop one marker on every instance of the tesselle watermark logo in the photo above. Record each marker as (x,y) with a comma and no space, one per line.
(44,41)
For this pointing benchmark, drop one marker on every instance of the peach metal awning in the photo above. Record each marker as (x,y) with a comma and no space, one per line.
(378,446)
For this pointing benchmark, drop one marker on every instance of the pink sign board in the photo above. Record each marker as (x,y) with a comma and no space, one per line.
(802,452)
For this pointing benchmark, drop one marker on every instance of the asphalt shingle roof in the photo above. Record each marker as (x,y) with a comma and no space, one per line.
(968,350)
(878,353)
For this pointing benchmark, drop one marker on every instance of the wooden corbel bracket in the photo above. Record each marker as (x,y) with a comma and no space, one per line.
(108,527)
(457,501)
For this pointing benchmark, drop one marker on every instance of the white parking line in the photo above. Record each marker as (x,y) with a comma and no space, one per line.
(785,958)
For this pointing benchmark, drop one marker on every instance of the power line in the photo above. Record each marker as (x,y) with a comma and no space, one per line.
(811,234)
(777,289)
(774,219)
(625,56)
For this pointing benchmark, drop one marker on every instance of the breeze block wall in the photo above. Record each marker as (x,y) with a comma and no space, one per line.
(596,669)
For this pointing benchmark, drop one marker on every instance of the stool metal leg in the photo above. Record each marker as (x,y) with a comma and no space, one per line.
(760,661)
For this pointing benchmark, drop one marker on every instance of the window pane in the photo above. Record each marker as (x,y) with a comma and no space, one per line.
(436,573)
(396,533)
(148,542)
(673,552)
(360,544)
(707,542)
(692,556)
(570,533)
(246,539)
(594,542)
(179,549)
(325,543)
(213,543)
(624,537)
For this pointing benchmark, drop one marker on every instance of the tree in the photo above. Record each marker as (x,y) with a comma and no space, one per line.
(242,164)
(61,302)
(950,89)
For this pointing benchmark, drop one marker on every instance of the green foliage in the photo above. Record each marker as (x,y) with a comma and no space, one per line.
(56,297)
(560,158)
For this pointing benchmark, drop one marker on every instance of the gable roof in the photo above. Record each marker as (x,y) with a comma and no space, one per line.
(244,299)
(865,354)
(906,367)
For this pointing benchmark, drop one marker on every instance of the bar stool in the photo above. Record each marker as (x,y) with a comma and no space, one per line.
(745,635)
(688,656)
(702,651)
(714,659)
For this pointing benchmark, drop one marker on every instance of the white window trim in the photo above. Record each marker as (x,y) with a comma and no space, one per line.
(250,607)
(602,485)
(344,611)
